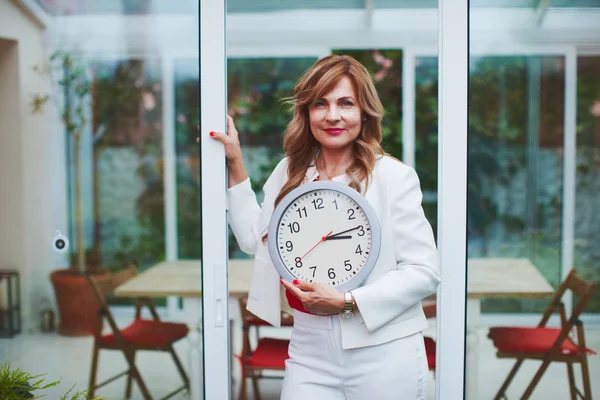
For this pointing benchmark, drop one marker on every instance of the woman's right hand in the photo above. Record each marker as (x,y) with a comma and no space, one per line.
(233,153)
(231,142)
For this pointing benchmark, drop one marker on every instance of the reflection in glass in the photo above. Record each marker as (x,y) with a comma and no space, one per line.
(515,160)
(587,224)
(426,133)
(515,164)
(187,119)
(127,177)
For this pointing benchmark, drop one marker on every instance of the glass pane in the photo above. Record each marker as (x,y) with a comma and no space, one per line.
(125,212)
(515,189)
(88,128)
(268,53)
(426,132)
(586,252)
(530,172)
(187,118)
(515,165)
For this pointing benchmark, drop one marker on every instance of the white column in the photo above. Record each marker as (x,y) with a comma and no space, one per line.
(169,168)
(569,170)
(213,110)
(452,192)
(409,115)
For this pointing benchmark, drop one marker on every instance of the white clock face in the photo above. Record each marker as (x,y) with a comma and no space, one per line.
(324,236)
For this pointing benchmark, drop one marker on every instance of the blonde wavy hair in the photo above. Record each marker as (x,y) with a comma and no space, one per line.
(299,144)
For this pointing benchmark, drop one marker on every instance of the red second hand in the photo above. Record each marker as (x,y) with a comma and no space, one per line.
(322,240)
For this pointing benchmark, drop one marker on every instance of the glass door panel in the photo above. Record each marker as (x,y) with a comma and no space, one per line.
(105,179)
(530,119)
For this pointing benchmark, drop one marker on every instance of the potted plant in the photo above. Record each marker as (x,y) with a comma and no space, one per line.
(77,306)
(16,384)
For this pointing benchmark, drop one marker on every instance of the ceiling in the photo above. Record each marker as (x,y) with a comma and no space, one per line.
(136,7)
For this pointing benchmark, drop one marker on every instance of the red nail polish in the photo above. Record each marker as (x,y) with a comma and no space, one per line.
(212,134)
(296,281)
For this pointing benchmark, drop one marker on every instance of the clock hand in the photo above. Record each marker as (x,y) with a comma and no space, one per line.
(318,243)
(339,233)
(338,237)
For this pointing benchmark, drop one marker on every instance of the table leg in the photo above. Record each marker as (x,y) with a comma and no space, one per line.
(472,365)
(193,315)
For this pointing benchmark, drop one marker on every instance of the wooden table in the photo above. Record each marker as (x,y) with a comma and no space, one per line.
(504,278)
(499,278)
(182,278)
(507,278)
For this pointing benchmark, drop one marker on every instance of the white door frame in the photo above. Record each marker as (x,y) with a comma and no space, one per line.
(452,194)
(213,101)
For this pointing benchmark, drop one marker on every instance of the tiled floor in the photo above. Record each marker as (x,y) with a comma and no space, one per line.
(68,359)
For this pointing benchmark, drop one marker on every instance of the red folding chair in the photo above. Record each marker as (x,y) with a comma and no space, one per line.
(550,344)
(430,310)
(141,334)
(269,354)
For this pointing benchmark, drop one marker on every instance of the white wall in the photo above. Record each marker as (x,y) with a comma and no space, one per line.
(32,177)
(11,185)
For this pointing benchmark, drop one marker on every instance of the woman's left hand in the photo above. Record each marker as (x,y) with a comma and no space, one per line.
(316,298)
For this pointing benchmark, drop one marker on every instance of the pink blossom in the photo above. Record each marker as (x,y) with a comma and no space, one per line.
(379,59)
(388,63)
(148,101)
(381,74)
(595,109)
(181,118)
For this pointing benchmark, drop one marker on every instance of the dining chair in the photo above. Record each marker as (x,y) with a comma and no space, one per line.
(548,344)
(140,335)
(269,354)
(429,305)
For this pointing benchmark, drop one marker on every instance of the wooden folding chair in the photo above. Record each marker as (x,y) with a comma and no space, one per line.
(268,355)
(141,334)
(550,344)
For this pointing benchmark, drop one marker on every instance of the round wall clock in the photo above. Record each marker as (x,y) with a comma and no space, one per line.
(324,232)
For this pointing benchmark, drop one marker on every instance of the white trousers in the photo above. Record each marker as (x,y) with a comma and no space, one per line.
(318,367)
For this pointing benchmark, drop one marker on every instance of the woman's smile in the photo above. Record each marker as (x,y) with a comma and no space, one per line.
(334,131)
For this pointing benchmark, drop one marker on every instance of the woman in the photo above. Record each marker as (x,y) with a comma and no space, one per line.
(335,134)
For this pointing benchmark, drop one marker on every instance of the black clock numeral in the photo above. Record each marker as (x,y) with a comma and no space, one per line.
(335,202)
(294,227)
(300,212)
(351,212)
(358,250)
(347,265)
(361,230)
(289,246)
(314,270)
(318,203)
(331,273)
(298,261)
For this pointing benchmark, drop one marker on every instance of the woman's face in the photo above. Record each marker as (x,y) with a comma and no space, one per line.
(335,119)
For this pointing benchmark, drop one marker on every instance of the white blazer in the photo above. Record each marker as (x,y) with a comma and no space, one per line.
(389,301)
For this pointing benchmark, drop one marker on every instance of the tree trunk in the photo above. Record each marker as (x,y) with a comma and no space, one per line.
(78,206)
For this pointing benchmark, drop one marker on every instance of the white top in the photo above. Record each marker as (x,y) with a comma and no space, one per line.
(406,271)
